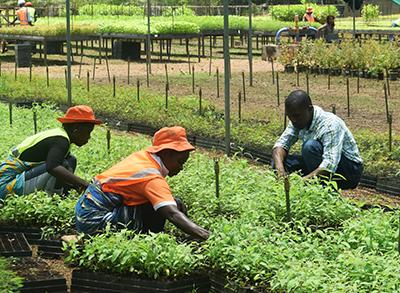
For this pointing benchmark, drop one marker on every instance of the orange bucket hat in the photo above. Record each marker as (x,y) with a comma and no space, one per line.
(79,114)
(28,4)
(173,138)
(310,9)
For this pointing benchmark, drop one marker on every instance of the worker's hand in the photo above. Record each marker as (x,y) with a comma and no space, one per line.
(203,233)
(181,206)
(281,171)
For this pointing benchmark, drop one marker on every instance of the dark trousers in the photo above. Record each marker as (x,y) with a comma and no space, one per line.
(311,158)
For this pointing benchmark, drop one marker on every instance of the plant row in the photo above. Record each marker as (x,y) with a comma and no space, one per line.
(151,110)
(370,57)
(288,12)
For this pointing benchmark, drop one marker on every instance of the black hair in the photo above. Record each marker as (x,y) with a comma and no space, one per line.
(298,99)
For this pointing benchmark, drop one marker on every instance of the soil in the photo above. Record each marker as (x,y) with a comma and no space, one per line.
(370,197)
(32,269)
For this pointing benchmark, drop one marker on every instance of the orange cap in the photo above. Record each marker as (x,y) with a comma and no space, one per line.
(173,138)
(28,4)
(79,114)
(310,9)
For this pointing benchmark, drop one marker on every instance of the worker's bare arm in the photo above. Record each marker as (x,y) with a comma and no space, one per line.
(278,155)
(182,222)
(62,174)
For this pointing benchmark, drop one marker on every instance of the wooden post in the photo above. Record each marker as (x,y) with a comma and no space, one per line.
(166,96)
(217,83)
(166,73)
(138,90)
(193,80)
(216,171)
(10,112)
(108,136)
(114,86)
(244,86)
(30,72)
(80,66)
(307,81)
(200,102)
(87,80)
(272,71)
(277,89)
(348,96)
(240,107)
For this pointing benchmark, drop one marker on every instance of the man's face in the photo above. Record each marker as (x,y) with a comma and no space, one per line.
(82,134)
(175,161)
(299,116)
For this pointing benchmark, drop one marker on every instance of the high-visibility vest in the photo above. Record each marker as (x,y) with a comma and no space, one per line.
(137,168)
(35,139)
(23,16)
(31,14)
(309,17)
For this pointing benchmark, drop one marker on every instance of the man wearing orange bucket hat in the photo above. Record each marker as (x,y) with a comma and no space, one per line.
(309,15)
(134,192)
(44,162)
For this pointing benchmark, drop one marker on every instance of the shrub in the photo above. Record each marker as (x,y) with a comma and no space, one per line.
(287,12)
(370,12)
(9,281)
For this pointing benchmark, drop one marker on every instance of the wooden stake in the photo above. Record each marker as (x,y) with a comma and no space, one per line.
(272,71)
(210,64)
(10,112)
(390,120)
(34,121)
(277,90)
(129,70)
(348,96)
(47,76)
(80,66)
(87,81)
(113,85)
(388,83)
(216,171)
(166,96)
(200,102)
(108,69)
(30,72)
(108,136)
(307,81)
(193,80)
(358,82)
(217,83)
(244,86)
(240,107)
(166,73)
(386,102)
(94,67)
(138,90)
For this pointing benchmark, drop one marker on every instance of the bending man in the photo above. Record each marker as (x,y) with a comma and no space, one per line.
(328,145)
(134,192)
(43,161)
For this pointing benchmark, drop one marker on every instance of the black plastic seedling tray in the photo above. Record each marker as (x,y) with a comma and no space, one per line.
(14,244)
(40,286)
(86,281)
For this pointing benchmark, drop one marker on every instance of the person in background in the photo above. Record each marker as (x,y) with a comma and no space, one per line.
(32,16)
(328,146)
(134,193)
(22,15)
(395,23)
(327,31)
(309,15)
(44,162)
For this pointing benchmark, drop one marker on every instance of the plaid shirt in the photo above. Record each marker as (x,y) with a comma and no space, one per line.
(331,132)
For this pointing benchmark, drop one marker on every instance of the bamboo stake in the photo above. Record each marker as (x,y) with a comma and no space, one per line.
(272,71)
(348,96)
(166,73)
(166,96)
(216,171)
(129,70)
(244,86)
(388,83)
(47,76)
(34,121)
(287,197)
(390,120)
(94,68)
(108,69)
(277,90)
(211,52)
(80,66)
(386,102)
(200,102)
(30,72)
(358,82)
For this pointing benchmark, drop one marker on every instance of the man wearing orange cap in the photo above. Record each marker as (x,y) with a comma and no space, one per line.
(43,161)
(134,192)
(309,15)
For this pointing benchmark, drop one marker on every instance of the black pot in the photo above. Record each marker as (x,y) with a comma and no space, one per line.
(289,68)
(301,68)
(380,76)
(393,75)
(346,72)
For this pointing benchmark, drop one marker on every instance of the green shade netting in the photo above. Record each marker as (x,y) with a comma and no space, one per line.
(396,2)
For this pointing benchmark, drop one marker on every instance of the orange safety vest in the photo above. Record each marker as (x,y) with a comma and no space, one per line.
(309,17)
(22,15)
(120,179)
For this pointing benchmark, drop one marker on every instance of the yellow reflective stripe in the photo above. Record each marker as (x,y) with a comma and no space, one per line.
(140,174)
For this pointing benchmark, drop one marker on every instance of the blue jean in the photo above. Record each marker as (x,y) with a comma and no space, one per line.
(311,158)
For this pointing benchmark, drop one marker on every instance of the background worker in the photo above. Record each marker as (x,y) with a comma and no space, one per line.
(43,161)
(309,15)
(22,15)
(327,31)
(328,145)
(135,194)
(32,15)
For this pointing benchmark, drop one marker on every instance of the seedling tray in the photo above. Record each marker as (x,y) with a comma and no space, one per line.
(14,244)
(87,281)
(219,284)
(368,181)
(37,276)
(388,185)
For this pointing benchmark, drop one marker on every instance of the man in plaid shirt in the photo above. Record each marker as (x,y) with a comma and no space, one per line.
(328,145)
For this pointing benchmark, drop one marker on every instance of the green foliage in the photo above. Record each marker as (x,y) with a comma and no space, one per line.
(370,12)
(178,11)
(154,256)
(177,27)
(9,281)
(109,9)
